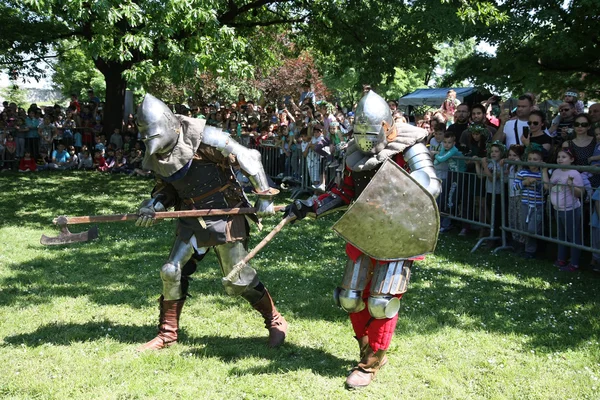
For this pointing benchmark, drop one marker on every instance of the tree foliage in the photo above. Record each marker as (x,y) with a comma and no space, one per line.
(74,72)
(543,46)
(134,40)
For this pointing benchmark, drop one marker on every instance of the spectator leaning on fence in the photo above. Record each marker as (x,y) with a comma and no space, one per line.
(566,187)
(529,182)
(515,221)
(491,168)
(455,167)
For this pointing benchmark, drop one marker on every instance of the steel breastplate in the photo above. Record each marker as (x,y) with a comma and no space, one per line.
(201,178)
(362,179)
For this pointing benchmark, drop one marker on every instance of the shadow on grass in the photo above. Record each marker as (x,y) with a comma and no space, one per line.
(288,357)
(301,267)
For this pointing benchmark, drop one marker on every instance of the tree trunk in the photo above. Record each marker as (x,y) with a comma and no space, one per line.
(114,104)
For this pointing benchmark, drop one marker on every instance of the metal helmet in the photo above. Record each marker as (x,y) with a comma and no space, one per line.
(159,127)
(371,112)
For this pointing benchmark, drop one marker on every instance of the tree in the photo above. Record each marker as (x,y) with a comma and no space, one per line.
(543,46)
(14,94)
(74,72)
(132,40)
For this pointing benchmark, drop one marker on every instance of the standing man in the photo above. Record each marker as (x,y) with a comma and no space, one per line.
(563,128)
(478,117)
(510,130)
(461,120)
(193,165)
(380,255)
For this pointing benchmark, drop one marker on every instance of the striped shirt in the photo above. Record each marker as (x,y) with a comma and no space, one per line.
(531,195)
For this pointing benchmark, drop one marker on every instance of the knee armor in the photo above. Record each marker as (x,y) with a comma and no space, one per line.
(389,279)
(356,275)
(229,254)
(170,273)
(350,300)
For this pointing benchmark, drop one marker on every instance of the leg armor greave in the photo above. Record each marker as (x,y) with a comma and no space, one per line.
(356,275)
(171,271)
(389,280)
(229,254)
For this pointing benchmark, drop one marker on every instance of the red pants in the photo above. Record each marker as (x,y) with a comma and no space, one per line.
(380,331)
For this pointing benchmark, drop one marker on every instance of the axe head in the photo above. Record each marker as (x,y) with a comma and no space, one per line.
(66,237)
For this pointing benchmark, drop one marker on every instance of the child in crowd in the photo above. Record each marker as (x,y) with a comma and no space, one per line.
(515,220)
(99,146)
(120,162)
(116,139)
(99,161)
(127,144)
(529,182)
(435,143)
(110,161)
(313,159)
(449,185)
(10,152)
(86,161)
(78,141)
(566,187)
(47,131)
(491,169)
(21,130)
(74,158)
(88,137)
(27,163)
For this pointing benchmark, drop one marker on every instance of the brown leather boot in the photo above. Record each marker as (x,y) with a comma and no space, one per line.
(168,325)
(274,322)
(362,375)
(363,345)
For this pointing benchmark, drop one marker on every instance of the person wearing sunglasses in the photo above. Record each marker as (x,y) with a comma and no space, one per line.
(562,127)
(582,146)
(536,124)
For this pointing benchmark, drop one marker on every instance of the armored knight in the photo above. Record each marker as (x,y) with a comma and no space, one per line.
(388,194)
(193,166)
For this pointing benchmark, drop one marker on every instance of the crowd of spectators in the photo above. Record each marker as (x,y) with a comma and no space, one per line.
(470,156)
(469,144)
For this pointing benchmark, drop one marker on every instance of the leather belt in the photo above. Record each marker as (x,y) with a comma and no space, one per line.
(192,200)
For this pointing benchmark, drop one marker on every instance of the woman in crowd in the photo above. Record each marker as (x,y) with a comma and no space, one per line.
(582,147)
(536,123)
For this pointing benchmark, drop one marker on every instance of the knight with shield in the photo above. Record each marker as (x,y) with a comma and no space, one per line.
(391,219)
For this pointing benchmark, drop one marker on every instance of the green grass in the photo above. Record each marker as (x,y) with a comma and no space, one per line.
(471,326)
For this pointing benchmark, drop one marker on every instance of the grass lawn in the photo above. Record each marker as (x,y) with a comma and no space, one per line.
(470,326)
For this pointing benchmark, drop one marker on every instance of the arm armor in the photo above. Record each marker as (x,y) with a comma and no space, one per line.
(337,199)
(249,159)
(421,167)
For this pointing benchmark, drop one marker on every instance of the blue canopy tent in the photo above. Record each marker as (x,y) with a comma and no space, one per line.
(434,97)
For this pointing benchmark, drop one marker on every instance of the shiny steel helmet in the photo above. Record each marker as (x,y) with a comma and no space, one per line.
(369,133)
(159,127)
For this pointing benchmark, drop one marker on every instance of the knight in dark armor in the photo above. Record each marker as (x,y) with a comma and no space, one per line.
(193,168)
(388,194)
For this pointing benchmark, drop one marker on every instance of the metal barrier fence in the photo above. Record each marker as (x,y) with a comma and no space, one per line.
(470,199)
(564,216)
(297,172)
(474,201)
(554,210)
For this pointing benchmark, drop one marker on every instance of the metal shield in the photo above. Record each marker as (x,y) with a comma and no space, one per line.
(393,218)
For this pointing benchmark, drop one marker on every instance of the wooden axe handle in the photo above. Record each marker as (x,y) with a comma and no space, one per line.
(159,215)
(238,267)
